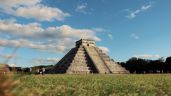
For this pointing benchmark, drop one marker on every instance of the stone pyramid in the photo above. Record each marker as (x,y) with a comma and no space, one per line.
(87,58)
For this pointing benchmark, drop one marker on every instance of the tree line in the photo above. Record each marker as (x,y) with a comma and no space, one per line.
(143,66)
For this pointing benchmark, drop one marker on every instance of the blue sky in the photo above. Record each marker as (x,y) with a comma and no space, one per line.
(36,32)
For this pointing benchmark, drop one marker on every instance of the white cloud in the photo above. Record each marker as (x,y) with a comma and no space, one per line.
(53,59)
(7,56)
(83,8)
(99,29)
(65,31)
(135,36)
(33,45)
(12,65)
(148,56)
(32,9)
(11,5)
(110,36)
(10,26)
(104,49)
(42,13)
(133,14)
(34,30)
(55,39)
(49,61)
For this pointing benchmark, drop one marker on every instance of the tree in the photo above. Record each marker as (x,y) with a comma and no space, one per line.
(168,64)
(131,65)
(139,66)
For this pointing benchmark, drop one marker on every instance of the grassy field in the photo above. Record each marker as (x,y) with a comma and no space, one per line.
(94,85)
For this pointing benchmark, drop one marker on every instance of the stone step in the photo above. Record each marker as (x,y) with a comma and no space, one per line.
(79,64)
(98,62)
(78,68)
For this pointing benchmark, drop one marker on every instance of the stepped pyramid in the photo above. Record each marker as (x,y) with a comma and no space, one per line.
(87,58)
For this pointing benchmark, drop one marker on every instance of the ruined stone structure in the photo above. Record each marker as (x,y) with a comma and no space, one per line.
(4,68)
(87,58)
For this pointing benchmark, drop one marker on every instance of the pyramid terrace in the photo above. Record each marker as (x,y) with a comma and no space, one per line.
(86,58)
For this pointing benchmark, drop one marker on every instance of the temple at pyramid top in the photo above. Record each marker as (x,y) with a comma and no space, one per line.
(85,42)
(86,58)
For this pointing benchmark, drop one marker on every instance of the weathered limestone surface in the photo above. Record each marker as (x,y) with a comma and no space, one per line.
(87,58)
(97,61)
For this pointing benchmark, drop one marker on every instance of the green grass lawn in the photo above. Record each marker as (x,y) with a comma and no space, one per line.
(94,85)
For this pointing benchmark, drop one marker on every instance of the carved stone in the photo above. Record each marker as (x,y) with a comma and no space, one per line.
(87,58)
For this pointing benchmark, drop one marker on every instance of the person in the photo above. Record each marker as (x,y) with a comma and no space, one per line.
(41,72)
(30,69)
(43,69)
(37,71)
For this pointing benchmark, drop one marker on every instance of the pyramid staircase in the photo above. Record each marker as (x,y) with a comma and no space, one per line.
(95,57)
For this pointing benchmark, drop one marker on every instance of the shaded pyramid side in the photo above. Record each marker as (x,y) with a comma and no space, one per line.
(64,63)
(75,61)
